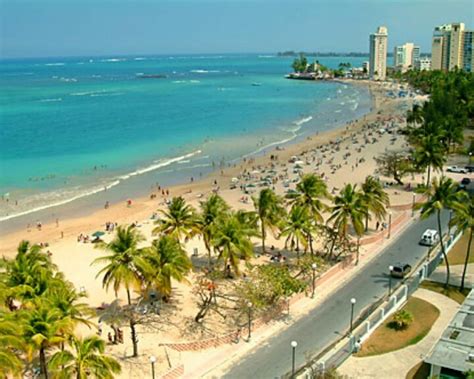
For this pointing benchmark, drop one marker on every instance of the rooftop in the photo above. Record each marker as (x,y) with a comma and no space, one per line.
(455,348)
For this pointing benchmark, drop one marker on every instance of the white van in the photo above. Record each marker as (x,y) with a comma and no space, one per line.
(429,238)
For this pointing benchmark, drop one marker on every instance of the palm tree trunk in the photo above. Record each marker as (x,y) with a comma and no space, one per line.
(367,221)
(263,236)
(428,176)
(133,332)
(43,366)
(445,256)
(208,248)
(466,261)
(358,251)
(310,240)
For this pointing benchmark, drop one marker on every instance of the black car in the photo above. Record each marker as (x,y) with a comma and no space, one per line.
(469,168)
(400,270)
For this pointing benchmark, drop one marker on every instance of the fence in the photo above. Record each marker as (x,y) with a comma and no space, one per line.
(372,316)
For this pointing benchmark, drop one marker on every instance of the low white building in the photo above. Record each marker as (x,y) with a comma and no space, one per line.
(423,64)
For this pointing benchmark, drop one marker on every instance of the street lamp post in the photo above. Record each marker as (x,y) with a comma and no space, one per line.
(152,361)
(313,267)
(390,268)
(413,205)
(249,308)
(389,224)
(293,356)
(353,301)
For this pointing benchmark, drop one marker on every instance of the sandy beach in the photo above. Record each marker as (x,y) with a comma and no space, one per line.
(344,155)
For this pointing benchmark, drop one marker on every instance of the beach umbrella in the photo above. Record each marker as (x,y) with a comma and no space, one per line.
(251,185)
(299,162)
(234,180)
(255,172)
(98,234)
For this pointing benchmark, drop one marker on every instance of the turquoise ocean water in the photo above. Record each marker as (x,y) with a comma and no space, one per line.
(71,127)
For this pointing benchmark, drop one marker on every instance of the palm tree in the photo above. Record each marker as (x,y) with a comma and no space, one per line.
(86,359)
(211,210)
(179,220)
(232,241)
(270,210)
(125,266)
(29,274)
(349,209)
(463,219)
(430,153)
(443,194)
(167,260)
(374,198)
(64,298)
(310,191)
(43,328)
(297,228)
(10,344)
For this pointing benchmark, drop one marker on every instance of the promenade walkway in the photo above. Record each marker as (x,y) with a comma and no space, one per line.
(456,274)
(395,365)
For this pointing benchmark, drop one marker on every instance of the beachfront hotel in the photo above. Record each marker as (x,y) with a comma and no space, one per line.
(405,56)
(378,54)
(452,47)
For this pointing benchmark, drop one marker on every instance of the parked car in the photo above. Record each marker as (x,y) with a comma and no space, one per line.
(429,238)
(400,270)
(469,168)
(457,169)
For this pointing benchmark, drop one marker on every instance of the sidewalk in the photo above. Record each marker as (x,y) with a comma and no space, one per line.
(439,275)
(214,362)
(397,364)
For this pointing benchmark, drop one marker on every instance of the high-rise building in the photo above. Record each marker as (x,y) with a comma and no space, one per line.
(452,47)
(405,56)
(468,51)
(378,54)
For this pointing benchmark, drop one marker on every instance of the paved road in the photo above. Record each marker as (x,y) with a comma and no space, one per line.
(325,323)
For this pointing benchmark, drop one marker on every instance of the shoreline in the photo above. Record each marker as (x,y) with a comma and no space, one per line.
(142,207)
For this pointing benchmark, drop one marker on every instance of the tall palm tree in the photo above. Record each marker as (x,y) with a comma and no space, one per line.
(443,194)
(43,329)
(232,241)
(430,154)
(463,219)
(211,210)
(179,220)
(270,210)
(10,345)
(297,228)
(124,266)
(310,192)
(348,209)
(86,359)
(167,259)
(374,198)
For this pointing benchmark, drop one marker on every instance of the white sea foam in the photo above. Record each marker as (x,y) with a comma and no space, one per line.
(67,80)
(60,202)
(50,100)
(55,64)
(158,165)
(266,56)
(78,193)
(303,120)
(140,59)
(201,71)
(87,93)
(113,60)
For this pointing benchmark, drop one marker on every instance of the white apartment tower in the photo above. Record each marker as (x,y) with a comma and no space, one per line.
(405,56)
(452,47)
(378,54)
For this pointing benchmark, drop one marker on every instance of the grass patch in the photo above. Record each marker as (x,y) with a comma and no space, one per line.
(457,255)
(385,339)
(419,371)
(452,291)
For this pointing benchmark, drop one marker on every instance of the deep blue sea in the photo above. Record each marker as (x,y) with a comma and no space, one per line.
(71,127)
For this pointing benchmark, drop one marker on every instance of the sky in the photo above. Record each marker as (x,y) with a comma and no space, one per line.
(42,28)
